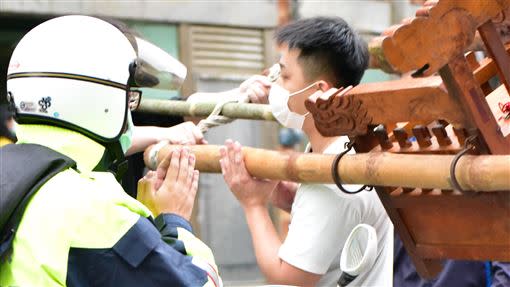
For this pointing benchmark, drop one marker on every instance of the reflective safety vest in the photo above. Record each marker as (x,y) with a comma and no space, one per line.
(4,141)
(81,229)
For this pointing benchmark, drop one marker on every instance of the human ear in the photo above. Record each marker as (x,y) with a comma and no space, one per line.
(323,85)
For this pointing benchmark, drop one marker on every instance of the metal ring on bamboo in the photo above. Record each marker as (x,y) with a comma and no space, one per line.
(468,145)
(335,173)
(153,154)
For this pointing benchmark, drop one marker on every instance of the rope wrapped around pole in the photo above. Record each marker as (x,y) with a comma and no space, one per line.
(215,119)
(478,173)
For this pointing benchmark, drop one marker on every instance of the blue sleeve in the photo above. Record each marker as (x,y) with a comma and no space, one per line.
(167,224)
(142,257)
(168,221)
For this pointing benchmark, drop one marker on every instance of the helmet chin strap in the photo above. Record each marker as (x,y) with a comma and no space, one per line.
(113,161)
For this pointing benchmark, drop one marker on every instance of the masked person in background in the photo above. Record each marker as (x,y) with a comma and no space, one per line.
(317,54)
(65,220)
(7,125)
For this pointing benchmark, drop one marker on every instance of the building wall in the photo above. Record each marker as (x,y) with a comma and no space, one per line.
(367,16)
(259,13)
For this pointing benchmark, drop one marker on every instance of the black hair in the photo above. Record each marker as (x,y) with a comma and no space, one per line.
(328,46)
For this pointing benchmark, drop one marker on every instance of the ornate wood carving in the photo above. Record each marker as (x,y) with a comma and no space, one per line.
(334,113)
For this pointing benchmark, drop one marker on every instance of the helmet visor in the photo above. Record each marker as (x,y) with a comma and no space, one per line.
(157,69)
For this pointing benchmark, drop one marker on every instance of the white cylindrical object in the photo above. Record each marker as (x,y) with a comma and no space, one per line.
(359,253)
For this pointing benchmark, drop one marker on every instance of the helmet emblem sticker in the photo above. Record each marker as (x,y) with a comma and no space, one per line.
(27,106)
(44,103)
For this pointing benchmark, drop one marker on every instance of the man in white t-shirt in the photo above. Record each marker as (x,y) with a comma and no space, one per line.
(317,54)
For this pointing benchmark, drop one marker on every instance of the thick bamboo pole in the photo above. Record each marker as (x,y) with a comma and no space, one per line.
(480,173)
(203,109)
(378,59)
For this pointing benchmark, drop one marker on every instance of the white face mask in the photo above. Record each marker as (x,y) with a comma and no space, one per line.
(126,138)
(279,102)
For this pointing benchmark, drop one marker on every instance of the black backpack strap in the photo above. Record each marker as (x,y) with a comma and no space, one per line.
(24,168)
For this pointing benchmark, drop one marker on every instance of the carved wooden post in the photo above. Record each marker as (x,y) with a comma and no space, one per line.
(460,82)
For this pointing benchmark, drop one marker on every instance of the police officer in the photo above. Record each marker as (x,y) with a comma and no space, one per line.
(73,80)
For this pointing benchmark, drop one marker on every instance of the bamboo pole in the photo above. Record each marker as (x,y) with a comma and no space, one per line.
(203,109)
(479,173)
(378,58)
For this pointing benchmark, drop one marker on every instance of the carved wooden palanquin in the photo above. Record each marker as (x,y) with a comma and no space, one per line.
(444,97)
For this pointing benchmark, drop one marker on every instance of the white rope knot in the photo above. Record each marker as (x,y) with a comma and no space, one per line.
(215,119)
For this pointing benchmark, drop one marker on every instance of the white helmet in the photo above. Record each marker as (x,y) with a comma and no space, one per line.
(78,72)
